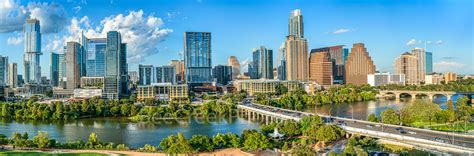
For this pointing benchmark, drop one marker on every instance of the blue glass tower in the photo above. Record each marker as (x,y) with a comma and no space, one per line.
(95,58)
(429,62)
(197,58)
(31,58)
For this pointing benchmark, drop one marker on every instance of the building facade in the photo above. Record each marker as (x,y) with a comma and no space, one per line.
(222,74)
(54,69)
(264,85)
(450,76)
(116,83)
(434,78)
(296,48)
(197,58)
(3,70)
(147,74)
(429,62)
(13,75)
(74,59)
(358,65)
(163,91)
(31,58)
(407,64)
(234,63)
(281,62)
(262,63)
(339,55)
(321,67)
(378,79)
(421,55)
(95,57)
(179,66)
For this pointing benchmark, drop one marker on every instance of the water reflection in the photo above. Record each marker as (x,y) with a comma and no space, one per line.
(121,130)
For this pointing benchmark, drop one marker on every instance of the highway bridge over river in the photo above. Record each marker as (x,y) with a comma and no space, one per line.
(416,137)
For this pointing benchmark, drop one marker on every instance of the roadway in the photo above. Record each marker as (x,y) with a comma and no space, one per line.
(437,136)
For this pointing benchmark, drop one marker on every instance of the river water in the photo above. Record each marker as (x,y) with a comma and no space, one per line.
(121,130)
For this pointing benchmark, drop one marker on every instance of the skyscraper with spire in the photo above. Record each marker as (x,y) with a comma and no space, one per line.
(31,58)
(296,48)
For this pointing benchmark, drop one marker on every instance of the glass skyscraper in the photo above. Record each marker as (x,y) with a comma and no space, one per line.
(262,63)
(116,73)
(197,58)
(54,69)
(31,58)
(95,58)
(429,62)
(3,70)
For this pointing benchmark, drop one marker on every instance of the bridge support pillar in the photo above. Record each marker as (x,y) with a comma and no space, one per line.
(397,95)
(413,97)
(266,120)
(448,97)
(248,114)
(431,97)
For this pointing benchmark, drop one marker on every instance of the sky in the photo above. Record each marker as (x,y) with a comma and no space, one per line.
(154,29)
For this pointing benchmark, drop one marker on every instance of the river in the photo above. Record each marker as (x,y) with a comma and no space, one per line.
(360,110)
(121,130)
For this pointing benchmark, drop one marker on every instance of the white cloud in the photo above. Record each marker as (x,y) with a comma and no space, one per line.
(52,16)
(411,42)
(142,33)
(77,9)
(340,31)
(439,42)
(445,66)
(15,40)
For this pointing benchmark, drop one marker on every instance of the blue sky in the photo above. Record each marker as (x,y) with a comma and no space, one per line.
(388,28)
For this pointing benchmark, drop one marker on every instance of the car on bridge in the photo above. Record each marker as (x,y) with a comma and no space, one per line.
(439,140)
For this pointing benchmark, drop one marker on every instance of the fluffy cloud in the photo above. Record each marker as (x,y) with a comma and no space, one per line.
(340,31)
(439,42)
(142,33)
(411,42)
(15,40)
(52,16)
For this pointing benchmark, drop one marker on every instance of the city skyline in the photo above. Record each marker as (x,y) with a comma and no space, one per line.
(449,43)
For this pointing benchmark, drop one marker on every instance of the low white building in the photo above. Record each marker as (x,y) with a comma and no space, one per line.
(377,79)
(87,93)
(434,79)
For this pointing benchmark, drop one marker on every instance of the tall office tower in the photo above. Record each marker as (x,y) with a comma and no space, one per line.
(321,66)
(13,75)
(54,69)
(408,64)
(62,69)
(146,73)
(339,55)
(113,65)
(263,63)
(197,58)
(296,47)
(123,71)
(95,58)
(222,74)
(281,62)
(358,65)
(429,62)
(179,66)
(31,58)
(421,55)
(74,56)
(234,63)
(133,76)
(3,70)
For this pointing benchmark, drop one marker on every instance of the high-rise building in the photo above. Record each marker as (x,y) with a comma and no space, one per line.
(179,67)
(339,55)
(95,58)
(407,64)
(31,58)
(429,62)
(197,58)
(234,63)
(262,63)
(147,74)
(296,47)
(54,69)
(281,62)
(115,66)
(3,70)
(358,65)
(421,55)
(13,75)
(321,66)
(62,69)
(222,74)
(450,76)
(74,56)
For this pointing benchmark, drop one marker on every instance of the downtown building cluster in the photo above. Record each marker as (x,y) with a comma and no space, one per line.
(94,67)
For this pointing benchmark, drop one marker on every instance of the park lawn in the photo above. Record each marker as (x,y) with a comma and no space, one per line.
(26,153)
(458,127)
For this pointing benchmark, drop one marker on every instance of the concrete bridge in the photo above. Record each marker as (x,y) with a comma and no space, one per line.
(419,138)
(430,94)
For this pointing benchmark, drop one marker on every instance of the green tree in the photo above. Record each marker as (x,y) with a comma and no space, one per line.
(329,133)
(92,141)
(390,116)
(42,140)
(372,118)
(290,128)
(181,146)
(201,143)
(254,140)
